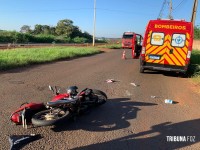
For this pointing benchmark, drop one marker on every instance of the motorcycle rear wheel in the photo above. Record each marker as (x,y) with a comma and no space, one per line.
(102,97)
(49,117)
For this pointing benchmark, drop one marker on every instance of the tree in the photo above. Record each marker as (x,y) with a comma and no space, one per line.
(46,29)
(65,27)
(197,32)
(38,29)
(88,36)
(53,30)
(76,32)
(25,29)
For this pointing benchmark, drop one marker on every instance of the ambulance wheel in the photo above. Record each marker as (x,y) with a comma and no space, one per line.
(141,69)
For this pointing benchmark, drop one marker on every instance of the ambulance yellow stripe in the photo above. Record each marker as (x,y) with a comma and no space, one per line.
(186,43)
(148,46)
(156,48)
(153,48)
(181,52)
(187,35)
(149,35)
(169,60)
(185,49)
(162,62)
(158,61)
(174,59)
(168,37)
(177,58)
(180,58)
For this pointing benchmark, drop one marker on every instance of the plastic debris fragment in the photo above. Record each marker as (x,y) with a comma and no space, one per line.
(111,80)
(153,96)
(18,141)
(134,84)
(168,101)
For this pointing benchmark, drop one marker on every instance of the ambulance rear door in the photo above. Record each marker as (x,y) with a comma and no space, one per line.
(167,50)
(156,48)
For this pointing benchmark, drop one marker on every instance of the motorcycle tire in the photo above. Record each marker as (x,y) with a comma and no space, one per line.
(102,97)
(43,118)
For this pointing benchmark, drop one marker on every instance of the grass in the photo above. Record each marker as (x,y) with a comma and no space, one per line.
(26,56)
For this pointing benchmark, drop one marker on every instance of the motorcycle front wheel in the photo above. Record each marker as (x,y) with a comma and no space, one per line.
(101,97)
(49,117)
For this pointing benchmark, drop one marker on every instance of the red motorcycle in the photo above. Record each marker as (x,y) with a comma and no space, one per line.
(69,104)
(62,105)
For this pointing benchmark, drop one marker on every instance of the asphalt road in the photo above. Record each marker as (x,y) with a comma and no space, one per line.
(131,119)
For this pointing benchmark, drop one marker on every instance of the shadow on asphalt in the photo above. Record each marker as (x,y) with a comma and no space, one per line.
(156,138)
(113,115)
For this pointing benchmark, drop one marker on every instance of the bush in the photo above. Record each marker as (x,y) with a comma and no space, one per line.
(17,37)
(79,40)
(43,38)
(63,39)
(13,36)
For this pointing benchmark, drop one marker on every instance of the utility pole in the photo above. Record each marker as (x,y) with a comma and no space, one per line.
(94,23)
(194,12)
(162,9)
(170,10)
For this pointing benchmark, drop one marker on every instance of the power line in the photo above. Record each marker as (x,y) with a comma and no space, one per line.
(75,9)
(169,3)
(179,5)
(50,10)
(162,9)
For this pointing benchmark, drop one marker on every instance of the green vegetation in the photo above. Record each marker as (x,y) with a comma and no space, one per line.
(197,32)
(27,56)
(63,32)
(194,68)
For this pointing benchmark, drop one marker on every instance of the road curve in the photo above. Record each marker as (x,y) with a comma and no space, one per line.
(131,119)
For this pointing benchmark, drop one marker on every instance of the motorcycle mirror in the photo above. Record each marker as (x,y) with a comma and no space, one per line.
(50,88)
(57,90)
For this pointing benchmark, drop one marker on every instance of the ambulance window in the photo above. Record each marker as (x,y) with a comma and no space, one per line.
(157,38)
(138,38)
(178,40)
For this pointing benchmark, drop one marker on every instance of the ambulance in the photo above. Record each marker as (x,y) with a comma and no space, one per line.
(167,46)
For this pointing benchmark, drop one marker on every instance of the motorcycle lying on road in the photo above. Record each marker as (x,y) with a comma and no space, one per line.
(69,104)
(62,105)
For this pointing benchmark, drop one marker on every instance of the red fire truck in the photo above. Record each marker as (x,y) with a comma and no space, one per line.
(167,46)
(132,41)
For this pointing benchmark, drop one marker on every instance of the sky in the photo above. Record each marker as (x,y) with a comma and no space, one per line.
(113,17)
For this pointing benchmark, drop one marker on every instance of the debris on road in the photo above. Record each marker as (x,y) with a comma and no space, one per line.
(111,80)
(153,96)
(169,101)
(18,141)
(134,84)
(128,93)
